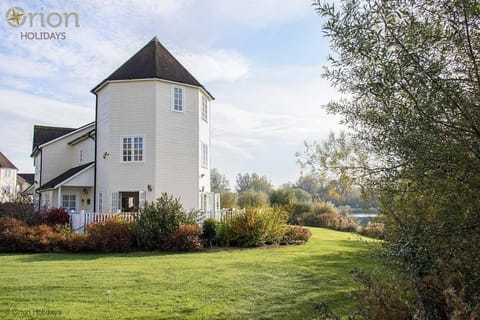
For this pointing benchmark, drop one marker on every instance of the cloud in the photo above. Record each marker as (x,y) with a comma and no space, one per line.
(35,109)
(258,13)
(216,65)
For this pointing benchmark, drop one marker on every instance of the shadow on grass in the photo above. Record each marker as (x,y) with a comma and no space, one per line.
(321,278)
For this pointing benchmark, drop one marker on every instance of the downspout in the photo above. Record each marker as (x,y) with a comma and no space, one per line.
(95,170)
(40,181)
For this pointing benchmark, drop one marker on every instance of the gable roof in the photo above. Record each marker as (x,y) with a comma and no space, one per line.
(5,163)
(153,61)
(44,134)
(28,177)
(64,176)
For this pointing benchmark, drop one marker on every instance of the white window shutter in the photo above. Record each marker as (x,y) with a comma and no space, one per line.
(143,199)
(115,202)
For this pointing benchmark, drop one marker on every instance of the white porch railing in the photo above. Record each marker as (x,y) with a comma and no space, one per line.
(80,220)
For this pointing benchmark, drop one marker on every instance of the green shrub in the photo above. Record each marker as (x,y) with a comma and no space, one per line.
(224,232)
(113,235)
(296,235)
(282,198)
(228,200)
(158,220)
(185,238)
(275,224)
(247,228)
(302,196)
(209,230)
(255,199)
(253,227)
(297,211)
(21,209)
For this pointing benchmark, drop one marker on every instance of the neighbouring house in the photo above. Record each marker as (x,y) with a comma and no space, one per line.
(151,135)
(25,187)
(8,179)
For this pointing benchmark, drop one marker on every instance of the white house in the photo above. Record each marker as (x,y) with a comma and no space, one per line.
(151,135)
(8,179)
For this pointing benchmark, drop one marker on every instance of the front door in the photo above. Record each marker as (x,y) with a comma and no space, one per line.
(130,201)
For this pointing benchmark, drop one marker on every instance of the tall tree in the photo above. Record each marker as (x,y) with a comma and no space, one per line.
(253,182)
(219,182)
(411,78)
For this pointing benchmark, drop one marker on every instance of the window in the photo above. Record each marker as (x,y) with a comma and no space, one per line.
(46,200)
(69,202)
(204,109)
(7,172)
(6,189)
(80,156)
(115,202)
(178,99)
(132,149)
(100,202)
(204,155)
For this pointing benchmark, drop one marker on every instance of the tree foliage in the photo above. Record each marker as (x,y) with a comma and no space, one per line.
(253,199)
(282,197)
(253,182)
(218,181)
(410,74)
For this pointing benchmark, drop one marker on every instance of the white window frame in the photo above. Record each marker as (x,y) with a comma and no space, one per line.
(68,208)
(181,108)
(144,148)
(80,156)
(100,202)
(7,172)
(115,202)
(46,200)
(204,109)
(204,155)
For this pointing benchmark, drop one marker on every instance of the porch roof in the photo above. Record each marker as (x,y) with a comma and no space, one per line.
(67,175)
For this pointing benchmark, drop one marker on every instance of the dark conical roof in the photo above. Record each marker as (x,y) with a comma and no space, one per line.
(153,61)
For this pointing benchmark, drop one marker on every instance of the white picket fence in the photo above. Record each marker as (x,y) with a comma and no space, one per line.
(80,220)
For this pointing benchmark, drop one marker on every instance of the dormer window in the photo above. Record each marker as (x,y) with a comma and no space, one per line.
(178,99)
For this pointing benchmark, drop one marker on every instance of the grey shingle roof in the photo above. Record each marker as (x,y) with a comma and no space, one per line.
(64,176)
(43,134)
(153,61)
(28,177)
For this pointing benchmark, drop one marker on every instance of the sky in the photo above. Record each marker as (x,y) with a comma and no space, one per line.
(261,59)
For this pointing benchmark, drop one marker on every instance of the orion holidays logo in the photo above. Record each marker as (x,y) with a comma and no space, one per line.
(17,17)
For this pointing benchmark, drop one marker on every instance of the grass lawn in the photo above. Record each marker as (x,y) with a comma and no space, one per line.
(278,283)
